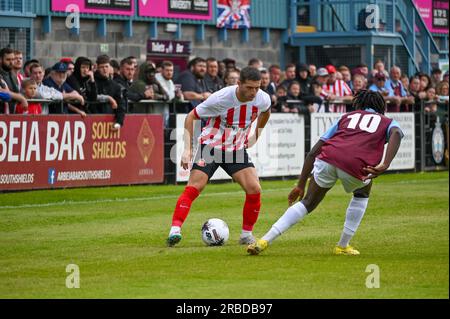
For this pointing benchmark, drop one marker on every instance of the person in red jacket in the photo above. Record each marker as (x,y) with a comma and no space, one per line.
(29,88)
(351,151)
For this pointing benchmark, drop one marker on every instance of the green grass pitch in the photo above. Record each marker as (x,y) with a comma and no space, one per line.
(116,236)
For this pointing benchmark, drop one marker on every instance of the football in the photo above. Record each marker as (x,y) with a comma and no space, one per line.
(215,232)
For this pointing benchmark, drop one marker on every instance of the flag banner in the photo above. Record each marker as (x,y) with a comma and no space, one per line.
(233,14)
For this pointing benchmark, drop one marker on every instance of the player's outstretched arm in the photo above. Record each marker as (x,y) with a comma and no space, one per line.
(299,191)
(392,149)
(188,133)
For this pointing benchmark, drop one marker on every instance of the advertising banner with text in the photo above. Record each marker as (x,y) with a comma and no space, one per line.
(38,152)
(180,9)
(115,7)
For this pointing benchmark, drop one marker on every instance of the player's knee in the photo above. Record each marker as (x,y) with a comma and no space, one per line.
(253,189)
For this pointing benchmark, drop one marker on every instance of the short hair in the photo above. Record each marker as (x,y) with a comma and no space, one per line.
(34,66)
(343,68)
(290,65)
(294,83)
(436,71)
(17,52)
(126,61)
(362,65)
(103,59)
(274,66)
(28,82)
(166,64)
(253,61)
(6,51)
(211,59)
(114,64)
(264,71)
(196,61)
(249,74)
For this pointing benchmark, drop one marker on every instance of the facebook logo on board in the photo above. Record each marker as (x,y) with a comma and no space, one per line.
(51,176)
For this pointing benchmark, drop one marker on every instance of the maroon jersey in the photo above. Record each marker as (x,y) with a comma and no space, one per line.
(356,141)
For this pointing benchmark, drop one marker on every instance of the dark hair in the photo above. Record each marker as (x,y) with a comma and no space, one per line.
(6,51)
(294,83)
(436,71)
(249,74)
(253,61)
(103,59)
(166,64)
(126,61)
(274,66)
(366,99)
(196,61)
(114,64)
(211,59)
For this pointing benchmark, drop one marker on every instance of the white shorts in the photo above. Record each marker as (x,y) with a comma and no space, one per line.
(326,176)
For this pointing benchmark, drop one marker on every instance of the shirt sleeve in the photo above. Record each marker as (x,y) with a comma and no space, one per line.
(331,131)
(211,107)
(394,123)
(267,103)
(4,96)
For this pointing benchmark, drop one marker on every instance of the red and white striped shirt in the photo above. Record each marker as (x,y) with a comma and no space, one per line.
(229,120)
(339,88)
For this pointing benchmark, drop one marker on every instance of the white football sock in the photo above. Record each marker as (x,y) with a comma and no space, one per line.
(292,216)
(355,213)
(246,233)
(175,230)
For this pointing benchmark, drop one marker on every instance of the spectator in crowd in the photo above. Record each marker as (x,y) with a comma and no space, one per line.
(57,80)
(358,83)
(7,96)
(290,75)
(322,76)
(26,67)
(222,69)
(346,75)
(115,67)
(82,80)
(6,71)
(230,64)
(29,88)
(316,106)
(267,87)
(312,70)
(397,87)
(445,77)
(379,67)
(212,80)
(425,81)
(364,69)
(303,78)
(336,88)
(193,83)
(17,67)
(275,75)
(281,99)
(70,65)
(442,91)
(165,78)
(431,100)
(256,63)
(294,94)
(231,77)
(436,76)
(405,82)
(46,92)
(125,80)
(386,91)
(108,87)
(415,91)
(148,83)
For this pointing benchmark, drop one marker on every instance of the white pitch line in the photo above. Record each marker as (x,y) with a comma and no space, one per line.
(138,199)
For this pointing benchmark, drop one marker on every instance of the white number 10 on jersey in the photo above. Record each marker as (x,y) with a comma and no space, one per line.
(368,123)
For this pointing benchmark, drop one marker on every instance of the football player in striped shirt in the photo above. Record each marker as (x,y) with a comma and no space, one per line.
(229,114)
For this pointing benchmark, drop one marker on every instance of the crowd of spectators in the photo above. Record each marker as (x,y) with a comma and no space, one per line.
(107,86)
